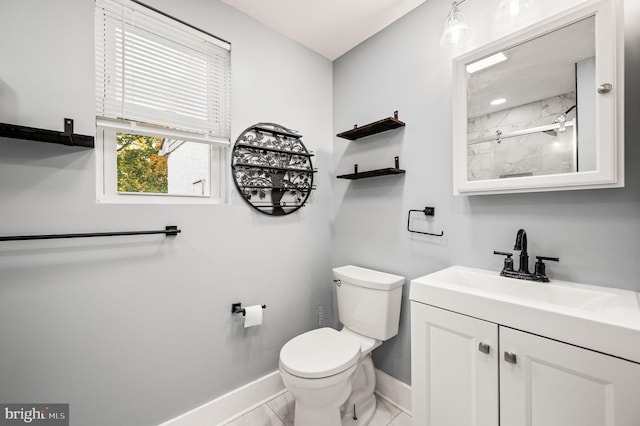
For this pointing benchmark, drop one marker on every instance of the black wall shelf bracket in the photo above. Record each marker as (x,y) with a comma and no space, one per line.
(168,231)
(67,137)
(428,211)
(373,173)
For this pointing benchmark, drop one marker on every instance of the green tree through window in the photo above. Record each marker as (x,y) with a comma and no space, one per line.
(140,168)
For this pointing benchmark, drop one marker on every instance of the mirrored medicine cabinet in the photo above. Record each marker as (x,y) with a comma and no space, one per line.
(542,109)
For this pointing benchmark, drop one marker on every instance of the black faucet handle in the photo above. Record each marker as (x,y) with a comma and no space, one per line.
(540,268)
(508,261)
(554,259)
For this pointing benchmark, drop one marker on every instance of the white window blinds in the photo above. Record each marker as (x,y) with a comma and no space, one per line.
(155,72)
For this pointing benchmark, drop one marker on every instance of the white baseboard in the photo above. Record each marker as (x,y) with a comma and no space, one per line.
(394,391)
(233,404)
(244,399)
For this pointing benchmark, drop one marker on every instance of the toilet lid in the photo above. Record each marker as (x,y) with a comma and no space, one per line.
(319,353)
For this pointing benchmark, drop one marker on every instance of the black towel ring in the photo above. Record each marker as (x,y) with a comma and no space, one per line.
(428,211)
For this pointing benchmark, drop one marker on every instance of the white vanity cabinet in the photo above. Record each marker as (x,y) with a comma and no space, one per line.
(452,381)
(468,371)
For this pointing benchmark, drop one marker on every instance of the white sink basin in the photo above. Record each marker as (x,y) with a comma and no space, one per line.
(561,293)
(600,318)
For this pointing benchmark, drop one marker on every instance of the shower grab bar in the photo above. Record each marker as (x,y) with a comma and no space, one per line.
(499,135)
(168,231)
(428,211)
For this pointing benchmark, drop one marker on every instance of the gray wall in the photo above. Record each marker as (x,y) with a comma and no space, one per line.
(137,330)
(595,233)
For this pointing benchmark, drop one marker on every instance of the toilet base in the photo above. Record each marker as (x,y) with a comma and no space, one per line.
(359,409)
(327,413)
(321,417)
(318,401)
(364,413)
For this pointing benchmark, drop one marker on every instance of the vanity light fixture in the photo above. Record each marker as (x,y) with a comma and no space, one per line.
(499,101)
(513,8)
(456,29)
(486,62)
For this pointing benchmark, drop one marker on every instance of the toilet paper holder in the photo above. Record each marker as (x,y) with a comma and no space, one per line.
(236,308)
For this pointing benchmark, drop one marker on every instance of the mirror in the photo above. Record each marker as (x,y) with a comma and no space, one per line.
(541,109)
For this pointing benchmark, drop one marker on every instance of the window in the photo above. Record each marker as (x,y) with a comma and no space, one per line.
(162,107)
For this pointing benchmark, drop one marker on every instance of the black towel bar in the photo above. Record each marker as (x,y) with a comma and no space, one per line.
(167,231)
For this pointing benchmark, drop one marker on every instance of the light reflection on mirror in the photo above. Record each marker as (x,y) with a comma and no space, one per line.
(531,108)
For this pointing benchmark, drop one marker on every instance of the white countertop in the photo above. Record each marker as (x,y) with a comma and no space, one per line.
(603,319)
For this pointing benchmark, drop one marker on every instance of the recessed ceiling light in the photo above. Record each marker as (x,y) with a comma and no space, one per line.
(499,101)
(486,62)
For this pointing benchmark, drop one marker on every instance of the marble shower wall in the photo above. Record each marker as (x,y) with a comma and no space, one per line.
(532,154)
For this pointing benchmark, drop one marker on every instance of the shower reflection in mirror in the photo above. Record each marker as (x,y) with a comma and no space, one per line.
(531,108)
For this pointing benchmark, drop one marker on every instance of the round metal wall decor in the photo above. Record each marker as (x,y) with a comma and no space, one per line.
(272,169)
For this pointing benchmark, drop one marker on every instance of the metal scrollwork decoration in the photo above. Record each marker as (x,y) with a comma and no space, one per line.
(272,169)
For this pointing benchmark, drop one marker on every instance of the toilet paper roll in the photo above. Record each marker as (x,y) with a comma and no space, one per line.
(252,316)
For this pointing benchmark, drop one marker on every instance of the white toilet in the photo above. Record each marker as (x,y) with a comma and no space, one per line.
(330,373)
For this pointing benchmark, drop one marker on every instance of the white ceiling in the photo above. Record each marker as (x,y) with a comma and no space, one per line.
(328,27)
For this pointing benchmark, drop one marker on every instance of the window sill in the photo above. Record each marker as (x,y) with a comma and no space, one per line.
(158,199)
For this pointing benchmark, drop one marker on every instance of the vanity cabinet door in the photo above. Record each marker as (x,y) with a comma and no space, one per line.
(454,368)
(548,383)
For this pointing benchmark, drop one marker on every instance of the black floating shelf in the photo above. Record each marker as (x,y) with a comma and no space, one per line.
(379,126)
(50,136)
(373,173)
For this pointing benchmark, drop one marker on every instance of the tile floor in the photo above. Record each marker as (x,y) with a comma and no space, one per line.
(279,412)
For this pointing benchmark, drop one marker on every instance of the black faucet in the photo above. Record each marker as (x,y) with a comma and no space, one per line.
(521,244)
(523,269)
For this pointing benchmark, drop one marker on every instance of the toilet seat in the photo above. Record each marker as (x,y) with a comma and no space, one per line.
(319,353)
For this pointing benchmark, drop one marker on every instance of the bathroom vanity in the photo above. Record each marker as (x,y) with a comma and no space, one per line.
(489,350)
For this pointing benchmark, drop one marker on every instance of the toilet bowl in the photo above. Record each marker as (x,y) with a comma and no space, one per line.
(330,378)
(330,373)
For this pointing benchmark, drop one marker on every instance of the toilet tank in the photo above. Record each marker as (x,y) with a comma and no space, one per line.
(368,301)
